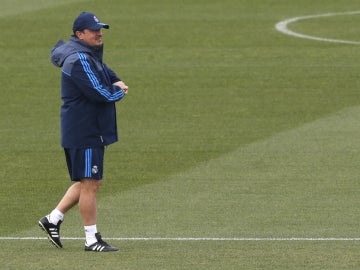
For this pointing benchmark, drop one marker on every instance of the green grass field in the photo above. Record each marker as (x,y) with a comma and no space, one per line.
(230,130)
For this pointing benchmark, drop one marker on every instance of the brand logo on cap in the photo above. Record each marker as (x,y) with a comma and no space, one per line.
(96,19)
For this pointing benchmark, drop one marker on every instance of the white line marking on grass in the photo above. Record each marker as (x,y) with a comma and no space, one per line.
(253,239)
(282,27)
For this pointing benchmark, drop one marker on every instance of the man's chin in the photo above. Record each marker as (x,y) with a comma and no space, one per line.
(98,45)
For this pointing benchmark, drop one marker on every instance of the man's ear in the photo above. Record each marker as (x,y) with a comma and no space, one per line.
(78,34)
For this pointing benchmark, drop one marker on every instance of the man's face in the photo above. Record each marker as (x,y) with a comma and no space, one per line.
(91,37)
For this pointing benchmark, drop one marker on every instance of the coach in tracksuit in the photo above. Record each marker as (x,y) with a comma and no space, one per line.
(89,90)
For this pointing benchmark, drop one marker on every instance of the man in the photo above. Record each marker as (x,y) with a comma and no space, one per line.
(89,90)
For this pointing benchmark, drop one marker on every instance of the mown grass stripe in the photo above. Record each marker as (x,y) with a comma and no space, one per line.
(197,238)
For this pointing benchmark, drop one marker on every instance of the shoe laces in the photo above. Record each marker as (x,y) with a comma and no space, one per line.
(100,241)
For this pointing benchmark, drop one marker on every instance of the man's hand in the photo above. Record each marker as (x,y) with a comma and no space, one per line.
(122,85)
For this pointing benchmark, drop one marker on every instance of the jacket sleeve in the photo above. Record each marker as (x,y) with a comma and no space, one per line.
(113,77)
(89,81)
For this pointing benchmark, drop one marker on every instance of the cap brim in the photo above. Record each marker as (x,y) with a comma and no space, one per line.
(98,26)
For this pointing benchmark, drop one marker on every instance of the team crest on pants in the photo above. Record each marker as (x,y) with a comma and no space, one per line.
(95,169)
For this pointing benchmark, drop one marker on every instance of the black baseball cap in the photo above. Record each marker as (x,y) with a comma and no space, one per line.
(88,20)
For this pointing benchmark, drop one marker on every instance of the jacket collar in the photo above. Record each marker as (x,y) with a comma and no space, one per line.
(96,52)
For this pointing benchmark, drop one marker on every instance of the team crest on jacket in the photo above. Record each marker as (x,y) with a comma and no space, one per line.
(95,169)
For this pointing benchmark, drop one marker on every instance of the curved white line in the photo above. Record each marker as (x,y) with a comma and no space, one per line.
(282,27)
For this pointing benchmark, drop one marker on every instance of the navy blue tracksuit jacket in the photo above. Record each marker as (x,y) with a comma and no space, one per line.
(88,114)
